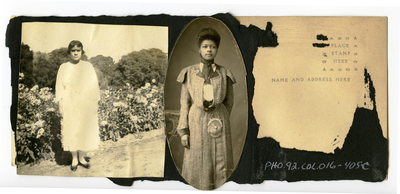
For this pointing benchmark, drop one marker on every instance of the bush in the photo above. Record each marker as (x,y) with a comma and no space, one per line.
(122,111)
(36,110)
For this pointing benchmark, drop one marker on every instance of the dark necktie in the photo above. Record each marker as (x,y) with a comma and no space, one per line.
(207,70)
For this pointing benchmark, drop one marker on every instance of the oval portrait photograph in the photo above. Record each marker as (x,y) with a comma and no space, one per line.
(205,100)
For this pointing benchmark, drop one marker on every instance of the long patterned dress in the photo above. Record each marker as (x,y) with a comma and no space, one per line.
(77,91)
(209,161)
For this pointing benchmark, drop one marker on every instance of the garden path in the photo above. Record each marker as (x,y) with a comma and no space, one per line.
(128,157)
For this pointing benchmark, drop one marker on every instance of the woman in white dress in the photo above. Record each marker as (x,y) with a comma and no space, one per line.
(78,93)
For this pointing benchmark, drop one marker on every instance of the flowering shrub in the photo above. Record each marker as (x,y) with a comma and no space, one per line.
(123,111)
(37,113)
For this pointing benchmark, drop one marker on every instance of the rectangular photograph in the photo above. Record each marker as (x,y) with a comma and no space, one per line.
(90,100)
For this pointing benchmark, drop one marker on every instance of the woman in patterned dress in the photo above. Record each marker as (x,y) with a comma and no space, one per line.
(204,124)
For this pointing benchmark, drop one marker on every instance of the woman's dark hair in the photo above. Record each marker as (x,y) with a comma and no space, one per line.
(208,34)
(75,43)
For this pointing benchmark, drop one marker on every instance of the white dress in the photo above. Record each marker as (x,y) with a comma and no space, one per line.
(78,93)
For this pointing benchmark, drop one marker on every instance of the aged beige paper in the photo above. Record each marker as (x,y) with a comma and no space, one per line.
(308,88)
(129,63)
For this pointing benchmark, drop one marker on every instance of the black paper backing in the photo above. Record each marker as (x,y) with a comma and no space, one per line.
(364,142)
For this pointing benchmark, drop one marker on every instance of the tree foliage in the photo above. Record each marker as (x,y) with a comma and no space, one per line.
(104,67)
(136,68)
(140,67)
(26,67)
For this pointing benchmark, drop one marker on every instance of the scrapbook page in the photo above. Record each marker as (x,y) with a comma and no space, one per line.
(310,99)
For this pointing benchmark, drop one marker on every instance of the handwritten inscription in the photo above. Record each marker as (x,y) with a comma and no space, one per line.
(359,165)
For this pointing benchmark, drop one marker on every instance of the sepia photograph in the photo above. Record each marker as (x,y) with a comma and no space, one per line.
(206,103)
(90,100)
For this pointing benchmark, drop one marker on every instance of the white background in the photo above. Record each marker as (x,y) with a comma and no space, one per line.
(10,182)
